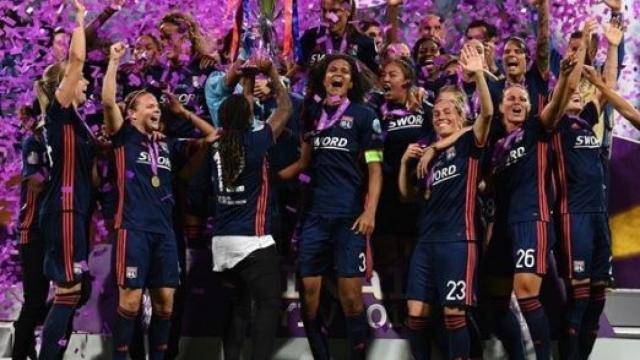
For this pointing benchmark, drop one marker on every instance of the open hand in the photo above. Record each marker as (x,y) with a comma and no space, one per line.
(365,223)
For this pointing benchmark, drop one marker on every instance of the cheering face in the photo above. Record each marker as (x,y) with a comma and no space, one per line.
(427,54)
(146,112)
(336,14)
(431,26)
(514,59)
(375,33)
(446,118)
(145,50)
(394,82)
(575,104)
(60,46)
(176,44)
(515,105)
(337,78)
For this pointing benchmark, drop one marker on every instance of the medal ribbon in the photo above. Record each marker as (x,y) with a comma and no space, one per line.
(152,147)
(325,122)
(503,145)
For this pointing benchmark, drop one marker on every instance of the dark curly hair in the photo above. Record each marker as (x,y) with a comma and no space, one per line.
(235,118)
(317,73)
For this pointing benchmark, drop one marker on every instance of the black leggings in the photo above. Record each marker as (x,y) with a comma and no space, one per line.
(256,278)
(36,288)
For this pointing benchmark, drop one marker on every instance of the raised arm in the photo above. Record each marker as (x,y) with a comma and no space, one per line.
(543,39)
(624,107)
(174,105)
(112,116)
(614,36)
(393,9)
(282,113)
(570,73)
(471,62)
(91,30)
(77,55)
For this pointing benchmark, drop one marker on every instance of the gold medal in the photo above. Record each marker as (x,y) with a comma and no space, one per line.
(155,181)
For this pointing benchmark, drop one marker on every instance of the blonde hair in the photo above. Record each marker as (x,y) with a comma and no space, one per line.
(45,87)
(460,99)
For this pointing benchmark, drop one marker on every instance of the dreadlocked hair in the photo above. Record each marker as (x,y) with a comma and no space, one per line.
(235,117)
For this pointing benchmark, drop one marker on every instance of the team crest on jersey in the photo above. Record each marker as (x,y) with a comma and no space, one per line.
(164,146)
(132,272)
(346,122)
(33,158)
(451,153)
(377,128)
(578,266)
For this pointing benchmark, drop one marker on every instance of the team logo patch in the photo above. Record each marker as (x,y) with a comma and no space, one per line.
(132,272)
(451,153)
(164,146)
(377,128)
(578,266)
(33,158)
(346,122)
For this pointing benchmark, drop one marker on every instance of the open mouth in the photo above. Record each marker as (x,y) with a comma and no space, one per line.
(337,83)
(386,87)
(512,63)
(517,110)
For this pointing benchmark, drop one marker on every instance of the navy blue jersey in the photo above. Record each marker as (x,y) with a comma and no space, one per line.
(314,47)
(187,84)
(242,208)
(33,162)
(107,196)
(536,85)
(522,174)
(579,170)
(70,152)
(400,129)
(534,82)
(449,210)
(141,206)
(335,168)
(287,147)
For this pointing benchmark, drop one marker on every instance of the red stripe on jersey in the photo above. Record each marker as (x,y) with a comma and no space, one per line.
(121,176)
(121,255)
(67,244)
(541,250)
(68,167)
(541,102)
(563,193)
(543,205)
(566,244)
(470,198)
(30,206)
(470,272)
(261,210)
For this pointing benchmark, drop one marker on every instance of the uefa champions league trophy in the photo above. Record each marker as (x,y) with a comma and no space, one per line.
(260,37)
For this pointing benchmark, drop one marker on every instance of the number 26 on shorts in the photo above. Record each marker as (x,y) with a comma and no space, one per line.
(525,258)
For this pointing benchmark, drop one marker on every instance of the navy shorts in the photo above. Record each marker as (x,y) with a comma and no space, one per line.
(146,259)
(443,272)
(66,239)
(522,247)
(328,243)
(586,246)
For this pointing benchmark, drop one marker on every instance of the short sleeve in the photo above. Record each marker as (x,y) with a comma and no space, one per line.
(370,131)
(32,157)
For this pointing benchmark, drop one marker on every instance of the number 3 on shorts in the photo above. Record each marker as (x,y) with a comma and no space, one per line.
(456,290)
(526,258)
(363,262)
